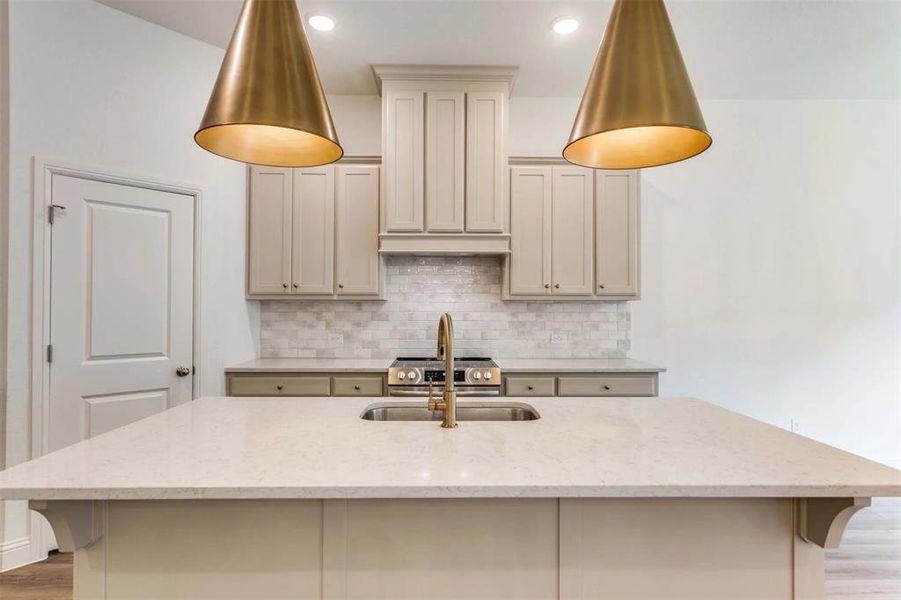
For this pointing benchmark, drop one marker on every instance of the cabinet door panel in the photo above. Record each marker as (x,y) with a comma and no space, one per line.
(571,239)
(403,158)
(444,161)
(485,158)
(617,233)
(313,242)
(359,265)
(530,230)
(269,231)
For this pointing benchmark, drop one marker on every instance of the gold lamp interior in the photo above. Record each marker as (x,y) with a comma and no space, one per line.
(637,147)
(269,145)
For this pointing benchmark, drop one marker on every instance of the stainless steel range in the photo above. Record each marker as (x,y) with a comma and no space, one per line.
(473,376)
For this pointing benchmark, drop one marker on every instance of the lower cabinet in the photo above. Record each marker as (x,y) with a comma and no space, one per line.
(571,384)
(295,384)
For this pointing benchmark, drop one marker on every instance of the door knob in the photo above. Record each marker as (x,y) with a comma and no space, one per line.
(183,371)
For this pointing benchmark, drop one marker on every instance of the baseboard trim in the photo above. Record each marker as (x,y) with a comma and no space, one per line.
(15,554)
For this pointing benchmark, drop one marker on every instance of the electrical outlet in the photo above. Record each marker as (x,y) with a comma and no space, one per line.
(559,338)
(795,426)
(336,338)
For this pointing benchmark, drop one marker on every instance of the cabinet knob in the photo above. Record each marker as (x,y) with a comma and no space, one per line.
(557,285)
(606,387)
(285,285)
(601,285)
(357,386)
(340,286)
(294,285)
(530,387)
(278,387)
(547,285)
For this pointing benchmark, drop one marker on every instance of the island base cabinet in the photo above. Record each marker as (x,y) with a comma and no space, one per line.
(541,548)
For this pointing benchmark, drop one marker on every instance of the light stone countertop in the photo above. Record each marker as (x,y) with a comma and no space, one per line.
(576,365)
(507,365)
(313,365)
(256,448)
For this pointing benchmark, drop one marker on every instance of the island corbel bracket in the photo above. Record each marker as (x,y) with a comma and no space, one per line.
(76,523)
(822,521)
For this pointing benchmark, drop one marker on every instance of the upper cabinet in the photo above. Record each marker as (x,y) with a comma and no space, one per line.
(616,214)
(269,231)
(313,232)
(444,159)
(359,264)
(486,161)
(552,213)
(574,234)
(403,160)
(444,142)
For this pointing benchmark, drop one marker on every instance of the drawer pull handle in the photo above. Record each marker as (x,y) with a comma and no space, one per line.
(357,386)
(278,387)
(606,387)
(530,387)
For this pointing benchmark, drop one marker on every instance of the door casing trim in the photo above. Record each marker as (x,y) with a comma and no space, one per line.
(43,171)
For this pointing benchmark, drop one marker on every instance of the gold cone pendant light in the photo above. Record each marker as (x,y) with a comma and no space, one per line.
(267,106)
(639,109)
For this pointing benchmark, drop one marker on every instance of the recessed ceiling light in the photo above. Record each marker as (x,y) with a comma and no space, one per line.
(321,23)
(565,25)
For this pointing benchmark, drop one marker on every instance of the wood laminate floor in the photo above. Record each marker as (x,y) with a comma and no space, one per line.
(866,567)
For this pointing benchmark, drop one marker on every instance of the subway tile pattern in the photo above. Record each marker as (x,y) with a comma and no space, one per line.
(418,290)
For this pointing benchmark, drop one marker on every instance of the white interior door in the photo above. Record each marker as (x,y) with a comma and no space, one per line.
(121,315)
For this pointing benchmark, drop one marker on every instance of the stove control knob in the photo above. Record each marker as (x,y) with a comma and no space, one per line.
(477,375)
(411,375)
(487,374)
(401,375)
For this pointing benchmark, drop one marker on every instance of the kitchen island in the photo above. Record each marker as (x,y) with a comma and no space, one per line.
(640,498)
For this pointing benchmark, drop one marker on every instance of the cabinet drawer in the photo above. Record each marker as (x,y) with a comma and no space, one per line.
(608,385)
(357,386)
(530,386)
(279,386)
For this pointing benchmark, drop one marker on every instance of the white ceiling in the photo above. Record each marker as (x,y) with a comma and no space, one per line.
(758,49)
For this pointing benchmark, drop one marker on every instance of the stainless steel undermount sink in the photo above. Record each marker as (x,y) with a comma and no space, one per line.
(466,411)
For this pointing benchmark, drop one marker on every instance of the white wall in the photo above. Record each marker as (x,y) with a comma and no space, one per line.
(770,264)
(93,86)
(771,269)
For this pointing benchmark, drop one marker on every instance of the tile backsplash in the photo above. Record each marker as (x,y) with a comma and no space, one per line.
(419,289)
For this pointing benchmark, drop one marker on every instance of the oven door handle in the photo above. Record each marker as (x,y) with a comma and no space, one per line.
(460,393)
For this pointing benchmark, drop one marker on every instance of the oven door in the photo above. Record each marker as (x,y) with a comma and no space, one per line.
(463,391)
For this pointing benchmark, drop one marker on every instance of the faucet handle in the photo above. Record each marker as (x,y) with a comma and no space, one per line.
(435,403)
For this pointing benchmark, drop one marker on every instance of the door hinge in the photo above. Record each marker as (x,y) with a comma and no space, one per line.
(51,212)
(49,353)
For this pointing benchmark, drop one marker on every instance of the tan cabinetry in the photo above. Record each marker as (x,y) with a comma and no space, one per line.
(313,232)
(617,233)
(551,231)
(581,384)
(359,265)
(305,384)
(574,234)
(269,231)
(444,159)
